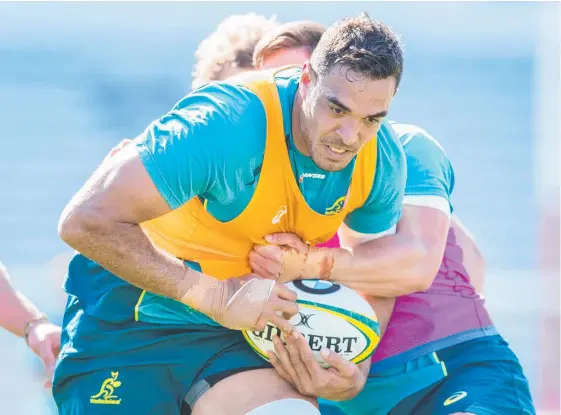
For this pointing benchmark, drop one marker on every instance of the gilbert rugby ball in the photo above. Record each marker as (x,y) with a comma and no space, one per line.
(330,316)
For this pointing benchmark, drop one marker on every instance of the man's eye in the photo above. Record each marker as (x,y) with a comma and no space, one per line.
(372,120)
(337,111)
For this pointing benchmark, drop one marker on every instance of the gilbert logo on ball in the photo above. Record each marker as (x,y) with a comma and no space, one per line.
(330,316)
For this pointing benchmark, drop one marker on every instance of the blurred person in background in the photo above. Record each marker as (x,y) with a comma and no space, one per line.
(286,44)
(229,49)
(440,353)
(226,52)
(21,317)
(115,328)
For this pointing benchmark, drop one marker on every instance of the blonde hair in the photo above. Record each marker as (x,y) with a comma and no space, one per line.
(231,45)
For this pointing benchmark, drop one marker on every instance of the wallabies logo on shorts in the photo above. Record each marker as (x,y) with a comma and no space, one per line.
(106,394)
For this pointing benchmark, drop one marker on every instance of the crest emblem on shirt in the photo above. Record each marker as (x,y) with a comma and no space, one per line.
(336,207)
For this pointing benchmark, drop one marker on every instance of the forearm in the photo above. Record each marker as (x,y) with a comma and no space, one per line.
(397,264)
(125,250)
(16,310)
(387,267)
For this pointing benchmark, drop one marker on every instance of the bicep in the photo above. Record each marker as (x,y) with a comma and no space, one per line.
(177,154)
(180,156)
(421,224)
(120,190)
(427,227)
(206,137)
(350,238)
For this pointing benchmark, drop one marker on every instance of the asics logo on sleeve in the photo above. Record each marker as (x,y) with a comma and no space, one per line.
(455,398)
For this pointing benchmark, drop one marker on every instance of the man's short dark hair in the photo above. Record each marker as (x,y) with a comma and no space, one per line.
(359,44)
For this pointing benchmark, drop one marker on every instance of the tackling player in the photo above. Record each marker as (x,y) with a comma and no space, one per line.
(440,353)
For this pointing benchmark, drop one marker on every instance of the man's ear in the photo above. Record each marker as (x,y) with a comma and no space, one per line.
(307,76)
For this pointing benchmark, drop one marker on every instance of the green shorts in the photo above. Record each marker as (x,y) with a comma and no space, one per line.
(142,368)
(481,376)
(383,390)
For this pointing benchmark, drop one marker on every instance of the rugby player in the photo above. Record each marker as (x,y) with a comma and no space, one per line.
(162,283)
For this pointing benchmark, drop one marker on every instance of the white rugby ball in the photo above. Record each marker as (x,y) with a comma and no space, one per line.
(330,316)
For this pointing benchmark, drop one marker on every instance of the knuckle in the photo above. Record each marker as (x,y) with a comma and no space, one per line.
(307,358)
(281,323)
(284,290)
(278,324)
(308,390)
(293,309)
(287,328)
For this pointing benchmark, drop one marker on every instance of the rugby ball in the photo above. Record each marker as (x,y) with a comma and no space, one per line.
(330,316)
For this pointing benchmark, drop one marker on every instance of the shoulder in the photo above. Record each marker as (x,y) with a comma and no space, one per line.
(221,104)
(218,118)
(414,138)
(208,136)
(429,170)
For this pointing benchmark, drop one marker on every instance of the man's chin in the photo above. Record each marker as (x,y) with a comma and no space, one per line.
(330,165)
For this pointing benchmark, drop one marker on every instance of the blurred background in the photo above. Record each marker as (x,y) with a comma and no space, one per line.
(483,78)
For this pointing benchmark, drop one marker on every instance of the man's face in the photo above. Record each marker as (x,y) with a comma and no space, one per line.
(283,57)
(340,112)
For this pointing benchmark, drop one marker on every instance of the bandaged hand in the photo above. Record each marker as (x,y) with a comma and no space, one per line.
(288,258)
(246,303)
